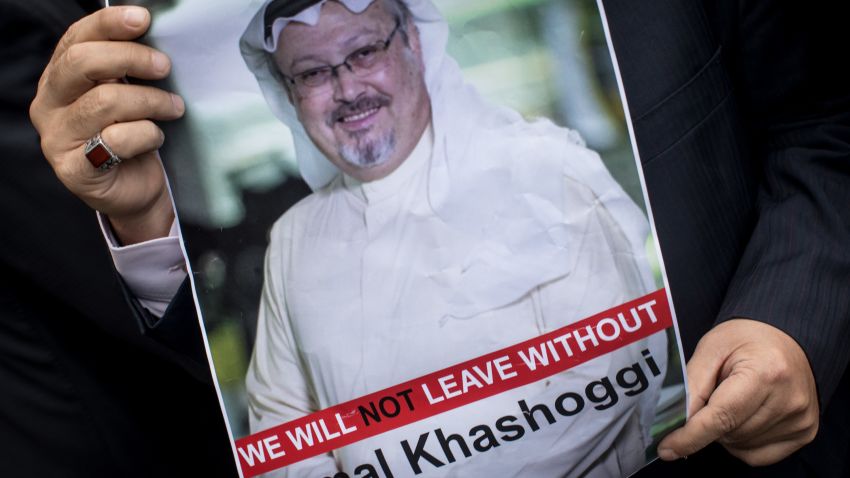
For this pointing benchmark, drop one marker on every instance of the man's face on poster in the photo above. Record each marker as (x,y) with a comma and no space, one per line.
(357,84)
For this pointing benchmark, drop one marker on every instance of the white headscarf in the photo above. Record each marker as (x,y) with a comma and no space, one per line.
(256,49)
(482,178)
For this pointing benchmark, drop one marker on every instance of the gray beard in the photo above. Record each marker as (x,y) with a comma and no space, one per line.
(367,154)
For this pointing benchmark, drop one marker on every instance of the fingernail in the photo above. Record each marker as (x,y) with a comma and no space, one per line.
(667,454)
(179,105)
(160,62)
(135,16)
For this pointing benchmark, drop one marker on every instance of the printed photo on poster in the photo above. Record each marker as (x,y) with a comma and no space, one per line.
(418,239)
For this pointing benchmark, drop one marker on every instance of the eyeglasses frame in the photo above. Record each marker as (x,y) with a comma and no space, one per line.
(383,46)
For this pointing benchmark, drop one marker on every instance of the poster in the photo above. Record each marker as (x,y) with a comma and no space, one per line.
(417,237)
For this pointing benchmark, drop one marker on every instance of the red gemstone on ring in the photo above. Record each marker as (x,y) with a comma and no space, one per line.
(99,154)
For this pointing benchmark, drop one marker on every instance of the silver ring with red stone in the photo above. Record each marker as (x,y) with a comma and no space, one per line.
(100,155)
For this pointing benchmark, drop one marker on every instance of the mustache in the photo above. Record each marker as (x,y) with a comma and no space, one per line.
(358,106)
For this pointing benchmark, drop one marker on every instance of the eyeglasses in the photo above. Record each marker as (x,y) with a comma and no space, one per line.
(361,62)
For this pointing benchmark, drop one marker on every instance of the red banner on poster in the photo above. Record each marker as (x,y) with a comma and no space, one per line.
(455,386)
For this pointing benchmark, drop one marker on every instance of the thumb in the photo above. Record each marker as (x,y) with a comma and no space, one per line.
(736,399)
(704,371)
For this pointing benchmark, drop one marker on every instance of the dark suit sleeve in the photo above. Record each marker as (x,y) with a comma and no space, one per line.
(177,329)
(49,236)
(795,95)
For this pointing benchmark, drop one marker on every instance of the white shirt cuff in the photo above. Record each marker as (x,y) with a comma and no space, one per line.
(153,270)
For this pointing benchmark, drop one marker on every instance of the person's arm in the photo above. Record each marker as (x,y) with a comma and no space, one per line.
(155,284)
(754,380)
(277,383)
(794,271)
(81,94)
(152,271)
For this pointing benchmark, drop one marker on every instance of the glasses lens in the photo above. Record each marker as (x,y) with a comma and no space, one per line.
(366,59)
(313,78)
(362,62)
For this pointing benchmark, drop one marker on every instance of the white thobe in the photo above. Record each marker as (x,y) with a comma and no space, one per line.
(361,294)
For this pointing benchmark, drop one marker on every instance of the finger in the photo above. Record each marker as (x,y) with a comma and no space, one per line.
(779,417)
(776,434)
(112,23)
(768,454)
(755,430)
(128,140)
(775,428)
(84,65)
(118,103)
(703,371)
(735,400)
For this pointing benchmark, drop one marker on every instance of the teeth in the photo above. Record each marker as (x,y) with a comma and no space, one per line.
(359,116)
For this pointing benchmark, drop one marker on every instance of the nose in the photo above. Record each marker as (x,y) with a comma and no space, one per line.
(347,86)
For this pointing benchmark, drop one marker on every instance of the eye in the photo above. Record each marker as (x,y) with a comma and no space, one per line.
(364,56)
(313,77)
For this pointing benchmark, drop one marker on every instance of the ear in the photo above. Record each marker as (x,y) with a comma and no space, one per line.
(277,74)
(415,42)
(285,85)
(288,91)
(413,36)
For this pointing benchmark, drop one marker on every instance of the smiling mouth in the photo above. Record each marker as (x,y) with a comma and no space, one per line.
(359,116)
(359,113)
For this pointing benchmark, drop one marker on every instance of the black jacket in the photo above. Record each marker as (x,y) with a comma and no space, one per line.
(741,111)
(88,388)
(741,117)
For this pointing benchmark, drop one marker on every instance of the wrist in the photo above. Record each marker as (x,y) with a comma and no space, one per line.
(151,222)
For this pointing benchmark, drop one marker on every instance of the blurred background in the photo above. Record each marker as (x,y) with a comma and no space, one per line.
(237,174)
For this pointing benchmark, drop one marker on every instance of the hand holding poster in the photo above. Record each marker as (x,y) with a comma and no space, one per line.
(466,292)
